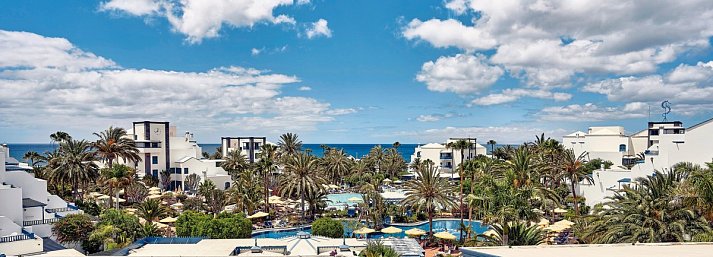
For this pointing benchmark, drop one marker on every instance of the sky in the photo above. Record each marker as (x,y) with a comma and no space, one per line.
(353,71)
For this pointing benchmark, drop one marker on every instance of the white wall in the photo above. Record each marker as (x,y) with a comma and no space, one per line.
(22,247)
(8,227)
(11,203)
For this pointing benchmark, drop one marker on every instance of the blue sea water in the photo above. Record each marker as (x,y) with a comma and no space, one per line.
(356,150)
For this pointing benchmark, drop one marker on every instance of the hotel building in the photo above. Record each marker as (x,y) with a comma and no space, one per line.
(248,146)
(447,159)
(27,210)
(162,149)
(661,144)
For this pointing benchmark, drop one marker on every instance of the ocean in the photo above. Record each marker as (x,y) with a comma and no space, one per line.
(356,150)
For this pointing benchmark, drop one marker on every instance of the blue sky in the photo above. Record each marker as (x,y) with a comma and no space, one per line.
(352,71)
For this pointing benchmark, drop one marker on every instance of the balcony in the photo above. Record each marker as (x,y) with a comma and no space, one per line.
(39,222)
(148,144)
(65,209)
(446,156)
(25,236)
(651,152)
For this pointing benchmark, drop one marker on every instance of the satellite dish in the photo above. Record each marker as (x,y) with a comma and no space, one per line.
(666,105)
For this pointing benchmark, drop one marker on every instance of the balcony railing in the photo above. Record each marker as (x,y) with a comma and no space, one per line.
(651,152)
(64,209)
(39,222)
(25,236)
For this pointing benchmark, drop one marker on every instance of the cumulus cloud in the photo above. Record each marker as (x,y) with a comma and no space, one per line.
(256,51)
(463,73)
(502,134)
(592,112)
(684,85)
(304,88)
(511,95)
(319,28)
(49,81)
(547,42)
(200,19)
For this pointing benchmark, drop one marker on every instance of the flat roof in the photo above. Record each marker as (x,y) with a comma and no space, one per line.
(595,250)
(224,247)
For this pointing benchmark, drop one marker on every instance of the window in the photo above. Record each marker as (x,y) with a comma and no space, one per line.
(418,154)
(154,173)
(654,132)
(185,170)
(246,146)
(622,148)
(227,185)
(154,159)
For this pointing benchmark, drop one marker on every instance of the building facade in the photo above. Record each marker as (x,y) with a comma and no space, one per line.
(447,159)
(248,146)
(161,148)
(661,145)
(27,210)
(608,143)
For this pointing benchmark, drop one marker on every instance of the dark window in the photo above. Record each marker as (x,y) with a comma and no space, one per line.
(418,154)
(654,132)
(185,170)
(227,185)
(622,148)
(246,146)
(154,159)
(154,173)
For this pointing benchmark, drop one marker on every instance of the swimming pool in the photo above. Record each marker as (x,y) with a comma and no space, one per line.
(451,225)
(339,200)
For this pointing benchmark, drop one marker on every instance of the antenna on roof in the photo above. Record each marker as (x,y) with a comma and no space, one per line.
(666,105)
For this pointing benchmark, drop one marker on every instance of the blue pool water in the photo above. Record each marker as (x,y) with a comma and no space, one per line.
(339,200)
(452,226)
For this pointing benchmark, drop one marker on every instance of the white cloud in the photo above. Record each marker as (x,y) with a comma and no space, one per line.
(448,33)
(256,51)
(501,134)
(461,74)
(511,95)
(304,88)
(301,2)
(319,28)
(686,73)
(200,19)
(80,88)
(546,42)
(133,7)
(428,118)
(592,112)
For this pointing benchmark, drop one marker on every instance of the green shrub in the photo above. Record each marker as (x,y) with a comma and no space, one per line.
(327,227)
(224,226)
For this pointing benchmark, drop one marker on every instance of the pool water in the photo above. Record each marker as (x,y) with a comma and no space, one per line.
(339,200)
(452,226)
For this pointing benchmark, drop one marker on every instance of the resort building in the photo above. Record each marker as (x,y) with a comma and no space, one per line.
(661,144)
(445,158)
(607,143)
(26,208)
(248,146)
(594,250)
(162,149)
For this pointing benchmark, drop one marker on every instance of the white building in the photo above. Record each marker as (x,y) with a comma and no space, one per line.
(162,149)
(607,143)
(447,158)
(663,144)
(248,146)
(26,208)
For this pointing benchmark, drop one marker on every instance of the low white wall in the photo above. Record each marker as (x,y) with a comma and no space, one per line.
(8,227)
(22,247)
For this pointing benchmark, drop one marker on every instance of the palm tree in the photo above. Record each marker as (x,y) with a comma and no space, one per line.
(192,182)
(301,177)
(60,136)
(289,145)
(317,201)
(151,210)
(336,164)
(650,213)
(461,145)
(267,165)
(165,179)
(428,191)
(573,168)
(376,155)
(116,177)
(33,157)
(235,163)
(514,234)
(74,165)
(113,144)
(492,144)
(246,192)
(376,248)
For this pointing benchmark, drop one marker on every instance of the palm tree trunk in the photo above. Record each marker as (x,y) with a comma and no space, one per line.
(574,198)
(111,191)
(302,200)
(267,193)
(460,206)
(430,224)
